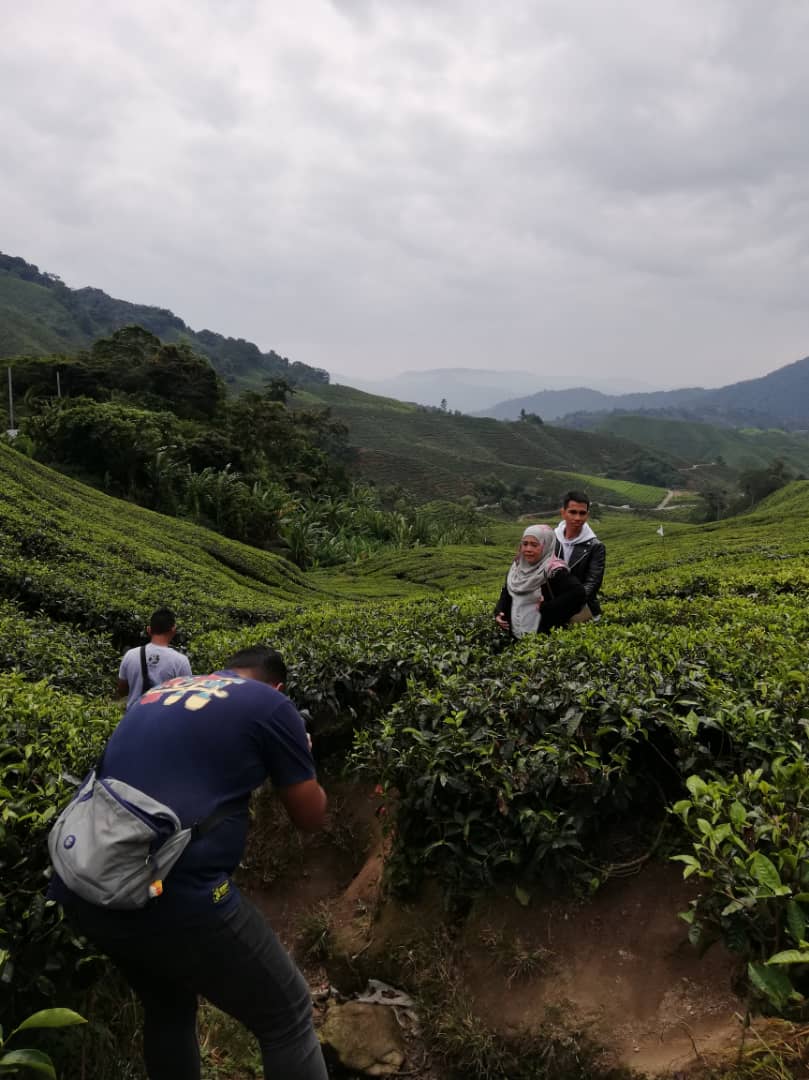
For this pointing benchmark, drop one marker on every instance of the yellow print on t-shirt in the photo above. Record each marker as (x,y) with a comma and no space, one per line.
(195,691)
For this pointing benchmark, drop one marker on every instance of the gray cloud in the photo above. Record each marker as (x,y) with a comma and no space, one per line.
(557,185)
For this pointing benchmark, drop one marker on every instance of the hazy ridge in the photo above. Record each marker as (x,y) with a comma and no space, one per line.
(778,399)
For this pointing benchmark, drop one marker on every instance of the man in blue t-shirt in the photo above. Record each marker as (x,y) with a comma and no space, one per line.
(197,744)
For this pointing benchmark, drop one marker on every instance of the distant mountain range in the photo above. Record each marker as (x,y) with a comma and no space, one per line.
(473,390)
(40,316)
(552,405)
(777,400)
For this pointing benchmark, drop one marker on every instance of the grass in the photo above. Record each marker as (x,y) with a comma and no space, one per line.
(521,959)
(313,938)
(770,1050)
(602,489)
(463,1043)
(108,1047)
(229,1050)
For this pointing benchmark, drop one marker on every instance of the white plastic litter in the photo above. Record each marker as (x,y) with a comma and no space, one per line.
(379,993)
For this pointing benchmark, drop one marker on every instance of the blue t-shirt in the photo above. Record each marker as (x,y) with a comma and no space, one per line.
(195,744)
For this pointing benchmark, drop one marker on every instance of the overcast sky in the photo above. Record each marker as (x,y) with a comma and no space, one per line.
(375,185)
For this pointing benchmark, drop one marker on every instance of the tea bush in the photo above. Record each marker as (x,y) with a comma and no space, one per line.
(528,761)
(46,736)
(750,836)
(70,658)
(348,663)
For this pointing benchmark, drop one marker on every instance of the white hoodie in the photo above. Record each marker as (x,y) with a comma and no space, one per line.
(568,545)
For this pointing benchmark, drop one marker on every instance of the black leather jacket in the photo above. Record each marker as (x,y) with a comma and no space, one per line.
(587,562)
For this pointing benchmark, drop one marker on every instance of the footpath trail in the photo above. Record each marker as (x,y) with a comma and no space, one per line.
(666,499)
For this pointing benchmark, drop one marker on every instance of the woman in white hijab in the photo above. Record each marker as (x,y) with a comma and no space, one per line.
(539,593)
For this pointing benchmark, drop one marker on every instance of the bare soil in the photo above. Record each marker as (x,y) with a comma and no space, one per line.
(288,874)
(618,965)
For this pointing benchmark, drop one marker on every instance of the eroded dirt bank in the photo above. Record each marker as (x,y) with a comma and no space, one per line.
(617,967)
(619,964)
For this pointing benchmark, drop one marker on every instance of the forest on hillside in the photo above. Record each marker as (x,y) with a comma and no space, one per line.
(153,423)
(39,315)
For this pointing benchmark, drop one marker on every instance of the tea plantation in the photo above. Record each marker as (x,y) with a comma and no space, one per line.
(675,727)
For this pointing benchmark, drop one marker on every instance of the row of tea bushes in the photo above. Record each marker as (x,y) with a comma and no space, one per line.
(81,557)
(577,733)
(69,657)
(348,663)
(47,736)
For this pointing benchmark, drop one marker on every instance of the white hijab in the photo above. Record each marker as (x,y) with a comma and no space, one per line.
(525,581)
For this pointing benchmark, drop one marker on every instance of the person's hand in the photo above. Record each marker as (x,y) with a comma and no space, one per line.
(540,598)
(502,621)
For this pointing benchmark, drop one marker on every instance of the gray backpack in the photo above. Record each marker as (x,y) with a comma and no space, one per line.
(113,845)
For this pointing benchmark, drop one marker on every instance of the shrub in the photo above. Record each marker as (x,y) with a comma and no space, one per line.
(47,737)
(750,842)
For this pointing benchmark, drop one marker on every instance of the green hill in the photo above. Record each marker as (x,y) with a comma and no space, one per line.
(33,321)
(40,315)
(697,443)
(79,556)
(73,555)
(442,454)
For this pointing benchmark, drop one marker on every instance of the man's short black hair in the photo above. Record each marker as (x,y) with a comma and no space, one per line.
(162,620)
(575,496)
(261,658)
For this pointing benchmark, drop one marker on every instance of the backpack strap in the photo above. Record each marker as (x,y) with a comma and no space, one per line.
(202,828)
(199,828)
(147,682)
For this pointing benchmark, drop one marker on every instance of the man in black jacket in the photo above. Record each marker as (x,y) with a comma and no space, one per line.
(579,546)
